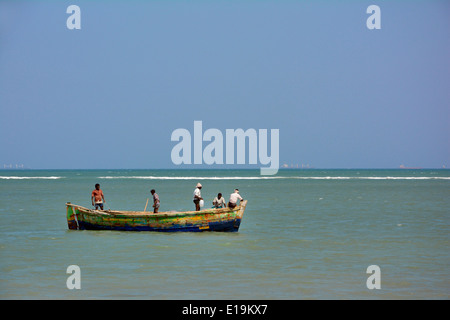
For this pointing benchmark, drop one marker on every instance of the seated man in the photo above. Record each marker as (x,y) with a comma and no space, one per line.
(234,197)
(219,202)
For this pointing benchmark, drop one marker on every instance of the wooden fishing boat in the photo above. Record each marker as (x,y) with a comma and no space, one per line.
(226,219)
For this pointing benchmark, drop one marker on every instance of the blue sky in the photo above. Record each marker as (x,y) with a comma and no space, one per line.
(110,95)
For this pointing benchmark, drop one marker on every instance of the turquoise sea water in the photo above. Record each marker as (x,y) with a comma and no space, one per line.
(306,234)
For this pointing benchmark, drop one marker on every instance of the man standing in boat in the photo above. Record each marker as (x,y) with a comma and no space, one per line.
(155,201)
(197,197)
(98,197)
(234,197)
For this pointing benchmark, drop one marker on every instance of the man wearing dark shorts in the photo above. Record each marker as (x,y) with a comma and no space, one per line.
(156,202)
(98,197)
(234,197)
(197,197)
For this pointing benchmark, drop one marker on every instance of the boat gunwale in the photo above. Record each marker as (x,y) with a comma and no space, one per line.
(136,214)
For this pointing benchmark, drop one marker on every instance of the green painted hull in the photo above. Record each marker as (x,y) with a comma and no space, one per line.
(227,220)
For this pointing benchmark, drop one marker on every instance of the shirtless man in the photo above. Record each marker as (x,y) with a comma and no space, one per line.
(98,197)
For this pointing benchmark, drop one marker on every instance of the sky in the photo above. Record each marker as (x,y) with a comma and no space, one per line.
(110,94)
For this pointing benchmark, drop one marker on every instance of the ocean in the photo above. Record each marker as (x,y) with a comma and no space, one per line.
(305,234)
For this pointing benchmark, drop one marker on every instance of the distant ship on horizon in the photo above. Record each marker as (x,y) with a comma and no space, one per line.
(10,166)
(403,167)
(296,166)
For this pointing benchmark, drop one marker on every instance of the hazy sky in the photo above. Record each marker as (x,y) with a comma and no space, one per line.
(110,95)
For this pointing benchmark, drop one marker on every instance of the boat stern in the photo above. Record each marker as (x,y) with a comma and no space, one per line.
(72,221)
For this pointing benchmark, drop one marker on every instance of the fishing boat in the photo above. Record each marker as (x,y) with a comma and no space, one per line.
(225,219)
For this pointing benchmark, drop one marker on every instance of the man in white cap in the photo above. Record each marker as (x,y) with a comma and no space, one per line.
(197,197)
(234,197)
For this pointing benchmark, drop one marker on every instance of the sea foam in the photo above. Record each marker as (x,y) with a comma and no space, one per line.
(272,178)
(27,178)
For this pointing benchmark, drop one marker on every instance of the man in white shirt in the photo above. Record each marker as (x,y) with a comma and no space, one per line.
(219,202)
(197,197)
(234,197)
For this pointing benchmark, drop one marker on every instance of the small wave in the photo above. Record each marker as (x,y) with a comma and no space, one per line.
(189,178)
(273,177)
(27,178)
(409,178)
(372,178)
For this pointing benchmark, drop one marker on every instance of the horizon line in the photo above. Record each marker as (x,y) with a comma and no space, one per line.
(293,168)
